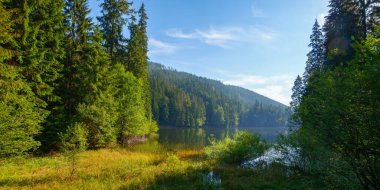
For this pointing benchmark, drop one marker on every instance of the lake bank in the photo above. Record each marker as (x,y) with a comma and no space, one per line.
(199,137)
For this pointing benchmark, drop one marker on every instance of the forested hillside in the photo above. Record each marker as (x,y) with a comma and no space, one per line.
(183,99)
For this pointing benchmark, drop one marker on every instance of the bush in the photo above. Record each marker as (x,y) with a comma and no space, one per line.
(312,161)
(75,138)
(100,119)
(242,147)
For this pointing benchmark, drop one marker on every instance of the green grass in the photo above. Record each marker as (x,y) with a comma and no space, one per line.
(147,166)
(135,168)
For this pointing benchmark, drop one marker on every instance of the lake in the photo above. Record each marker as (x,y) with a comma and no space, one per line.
(181,137)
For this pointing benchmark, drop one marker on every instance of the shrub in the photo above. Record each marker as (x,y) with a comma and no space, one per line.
(75,138)
(242,147)
(100,119)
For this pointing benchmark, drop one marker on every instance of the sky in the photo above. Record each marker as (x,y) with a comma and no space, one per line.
(260,45)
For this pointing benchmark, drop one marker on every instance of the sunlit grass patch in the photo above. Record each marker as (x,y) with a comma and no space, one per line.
(188,154)
(118,168)
(136,168)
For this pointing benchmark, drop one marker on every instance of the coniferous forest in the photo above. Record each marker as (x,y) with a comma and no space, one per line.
(61,73)
(182,99)
(80,106)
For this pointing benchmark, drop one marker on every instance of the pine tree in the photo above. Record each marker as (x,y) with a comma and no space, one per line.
(137,55)
(21,111)
(341,26)
(38,45)
(369,14)
(316,57)
(42,42)
(98,109)
(298,92)
(112,22)
(78,26)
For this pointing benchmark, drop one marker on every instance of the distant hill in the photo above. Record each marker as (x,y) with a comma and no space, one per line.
(183,99)
(248,97)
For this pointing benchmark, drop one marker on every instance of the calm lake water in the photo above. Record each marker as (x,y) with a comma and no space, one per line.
(178,137)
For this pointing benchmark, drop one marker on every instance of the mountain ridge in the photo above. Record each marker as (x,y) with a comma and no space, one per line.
(252,93)
(183,99)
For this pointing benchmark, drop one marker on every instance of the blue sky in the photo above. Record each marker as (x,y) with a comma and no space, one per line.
(257,44)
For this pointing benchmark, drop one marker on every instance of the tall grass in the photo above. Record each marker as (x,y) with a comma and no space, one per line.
(146,166)
(105,169)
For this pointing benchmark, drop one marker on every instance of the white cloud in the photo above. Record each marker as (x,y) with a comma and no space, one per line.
(242,79)
(226,37)
(276,87)
(275,92)
(221,37)
(321,18)
(177,33)
(257,12)
(262,34)
(157,47)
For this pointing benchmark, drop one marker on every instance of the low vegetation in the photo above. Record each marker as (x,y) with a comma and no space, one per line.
(145,166)
(242,147)
(107,169)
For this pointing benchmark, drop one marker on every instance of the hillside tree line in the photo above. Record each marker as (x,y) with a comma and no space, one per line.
(185,100)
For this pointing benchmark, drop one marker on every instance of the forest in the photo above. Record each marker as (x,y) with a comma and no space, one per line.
(336,101)
(182,99)
(66,81)
(74,94)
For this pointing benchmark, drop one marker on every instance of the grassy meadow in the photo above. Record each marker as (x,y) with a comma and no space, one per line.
(145,166)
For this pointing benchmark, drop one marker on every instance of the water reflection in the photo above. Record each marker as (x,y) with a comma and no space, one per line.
(177,137)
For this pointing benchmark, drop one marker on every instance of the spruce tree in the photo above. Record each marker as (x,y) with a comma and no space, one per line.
(369,14)
(112,21)
(341,27)
(22,112)
(99,107)
(316,57)
(42,42)
(137,55)
(71,89)
(298,92)
(78,26)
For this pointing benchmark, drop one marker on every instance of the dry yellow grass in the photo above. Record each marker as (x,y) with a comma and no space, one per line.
(100,169)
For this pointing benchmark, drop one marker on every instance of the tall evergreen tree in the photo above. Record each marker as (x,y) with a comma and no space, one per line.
(298,92)
(112,21)
(78,26)
(42,42)
(137,55)
(316,57)
(369,14)
(341,26)
(98,110)
(30,44)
